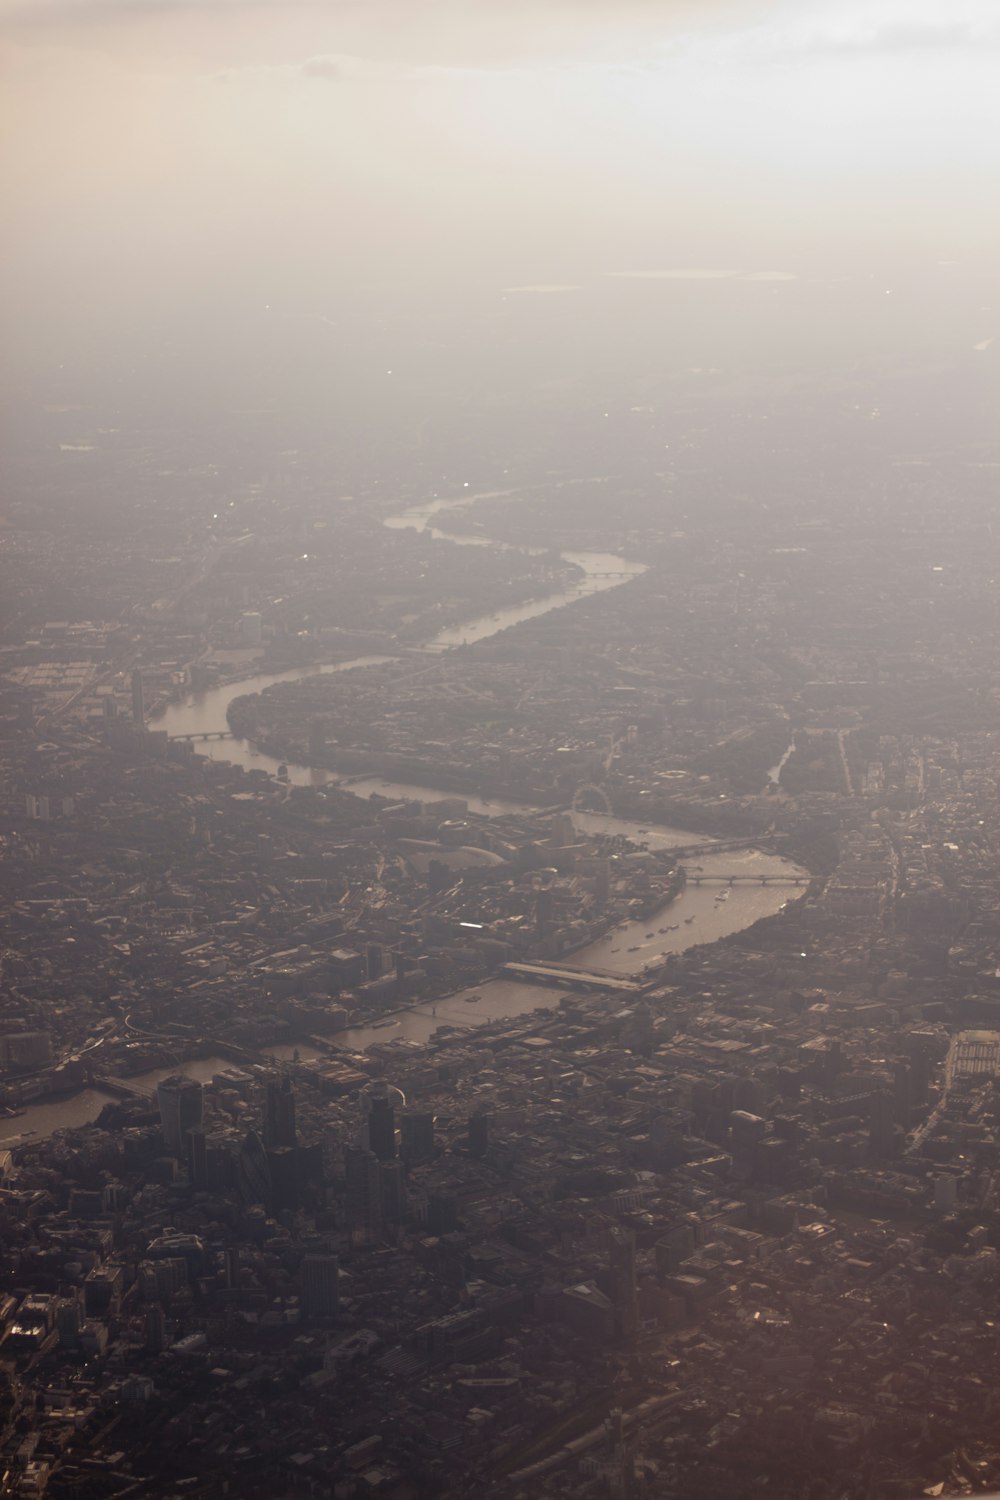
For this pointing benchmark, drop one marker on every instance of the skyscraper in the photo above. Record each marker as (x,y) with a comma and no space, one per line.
(320,1285)
(283,1166)
(392,1186)
(254,1171)
(380,1101)
(382,1129)
(279,1113)
(180,1104)
(364,1196)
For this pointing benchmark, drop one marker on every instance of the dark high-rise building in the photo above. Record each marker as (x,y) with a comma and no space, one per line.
(254,1171)
(624,1295)
(279,1113)
(442,1213)
(180,1104)
(221,1165)
(320,1285)
(286,1187)
(382,1129)
(311,1170)
(364,1196)
(198,1157)
(138,701)
(380,1101)
(417,1136)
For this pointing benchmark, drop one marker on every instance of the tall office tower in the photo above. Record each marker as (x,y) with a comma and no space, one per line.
(379,1101)
(417,1131)
(180,1104)
(442,1213)
(621,1246)
(198,1157)
(254,1172)
(364,1196)
(286,1186)
(279,1113)
(382,1129)
(392,1185)
(320,1285)
(138,702)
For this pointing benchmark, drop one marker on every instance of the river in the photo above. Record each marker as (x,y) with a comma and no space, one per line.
(81,1108)
(700,915)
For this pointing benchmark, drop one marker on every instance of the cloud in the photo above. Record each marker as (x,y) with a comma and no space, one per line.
(324,66)
(462,32)
(861,38)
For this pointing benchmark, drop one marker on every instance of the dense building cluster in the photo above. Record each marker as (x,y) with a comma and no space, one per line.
(458,1134)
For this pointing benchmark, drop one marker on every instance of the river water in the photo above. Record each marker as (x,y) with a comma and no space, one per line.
(700,915)
(83,1107)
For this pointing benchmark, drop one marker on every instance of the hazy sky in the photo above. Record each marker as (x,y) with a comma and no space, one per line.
(163,153)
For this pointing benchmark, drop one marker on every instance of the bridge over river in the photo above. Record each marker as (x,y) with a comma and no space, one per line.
(722,878)
(206,734)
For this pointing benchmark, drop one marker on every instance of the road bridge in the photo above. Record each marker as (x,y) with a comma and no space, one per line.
(716,846)
(206,734)
(621,573)
(741,879)
(122,1088)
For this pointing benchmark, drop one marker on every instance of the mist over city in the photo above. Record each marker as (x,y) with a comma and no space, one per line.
(500,776)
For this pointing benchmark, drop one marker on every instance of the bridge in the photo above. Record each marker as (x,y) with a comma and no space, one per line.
(739,879)
(206,734)
(122,1088)
(566,977)
(715,846)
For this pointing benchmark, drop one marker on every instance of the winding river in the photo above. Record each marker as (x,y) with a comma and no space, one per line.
(701,915)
